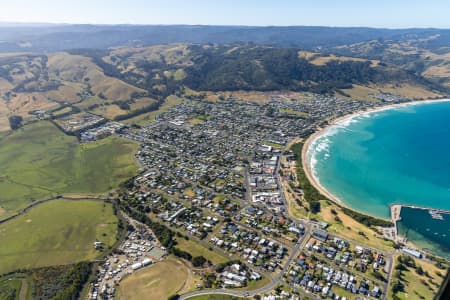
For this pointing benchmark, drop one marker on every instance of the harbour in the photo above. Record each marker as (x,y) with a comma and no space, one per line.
(423,227)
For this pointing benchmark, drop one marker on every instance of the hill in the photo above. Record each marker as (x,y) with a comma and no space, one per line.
(423,57)
(161,70)
(267,68)
(31,82)
(126,82)
(62,37)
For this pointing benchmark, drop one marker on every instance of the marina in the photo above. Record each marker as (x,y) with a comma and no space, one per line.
(410,220)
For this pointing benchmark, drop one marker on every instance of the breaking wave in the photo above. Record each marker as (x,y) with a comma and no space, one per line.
(319,147)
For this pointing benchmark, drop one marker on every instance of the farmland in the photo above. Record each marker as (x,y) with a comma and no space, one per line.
(74,68)
(57,232)
(146,118)
(39,161)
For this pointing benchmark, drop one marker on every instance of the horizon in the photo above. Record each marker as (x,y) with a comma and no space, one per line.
(264,13)
(43,24)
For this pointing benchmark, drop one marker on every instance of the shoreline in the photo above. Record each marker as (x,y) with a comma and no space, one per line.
(320,131)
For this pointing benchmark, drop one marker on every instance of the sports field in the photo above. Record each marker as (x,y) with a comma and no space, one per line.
(159,281)
(56,233)
(39,161)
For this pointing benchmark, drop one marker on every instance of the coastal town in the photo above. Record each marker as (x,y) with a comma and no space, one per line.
(224,150)
(222,174)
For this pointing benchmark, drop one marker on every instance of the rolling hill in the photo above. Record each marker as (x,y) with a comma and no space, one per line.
(124,82)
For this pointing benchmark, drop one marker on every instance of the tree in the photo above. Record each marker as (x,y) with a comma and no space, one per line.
(314,206)
(270,111)
(419,270)
(198,261)
(15,122)
(401,267)
(278,289)
(398,286)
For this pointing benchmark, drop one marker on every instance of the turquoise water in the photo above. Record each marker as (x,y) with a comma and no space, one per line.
(399,155)
(425,231)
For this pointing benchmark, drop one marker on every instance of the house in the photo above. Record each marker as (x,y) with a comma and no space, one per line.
(375,292)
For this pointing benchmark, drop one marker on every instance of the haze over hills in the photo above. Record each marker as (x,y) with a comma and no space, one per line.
(43,37)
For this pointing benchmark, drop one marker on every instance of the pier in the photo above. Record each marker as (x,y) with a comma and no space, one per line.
(395,216)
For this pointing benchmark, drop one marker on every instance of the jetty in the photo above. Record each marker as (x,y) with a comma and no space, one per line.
(395,217)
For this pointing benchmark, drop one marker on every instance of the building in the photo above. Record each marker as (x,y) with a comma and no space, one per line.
(320,235)
(412,252)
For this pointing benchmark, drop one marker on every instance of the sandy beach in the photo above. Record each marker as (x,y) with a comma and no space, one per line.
(317,134)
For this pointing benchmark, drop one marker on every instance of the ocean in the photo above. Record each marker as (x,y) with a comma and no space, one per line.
(399,155)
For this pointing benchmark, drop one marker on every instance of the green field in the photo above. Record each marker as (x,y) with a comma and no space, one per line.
(417,286)
(39,161)
(56,233)
(196,249)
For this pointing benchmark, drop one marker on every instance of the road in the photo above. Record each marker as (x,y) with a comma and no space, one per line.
(274,281)
(23,289)
(389,257)
(295,250)
(40,202)
(267,288)
(115,267)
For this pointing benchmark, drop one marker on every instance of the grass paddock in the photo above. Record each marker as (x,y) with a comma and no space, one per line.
(196,249)
(39,161)
(58,232)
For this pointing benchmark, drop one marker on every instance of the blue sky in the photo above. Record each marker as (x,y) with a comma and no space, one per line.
(378,13)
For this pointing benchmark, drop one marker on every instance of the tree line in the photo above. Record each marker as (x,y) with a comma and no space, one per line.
(310,193)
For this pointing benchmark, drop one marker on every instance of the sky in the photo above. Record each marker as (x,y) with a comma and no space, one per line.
(371,13)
